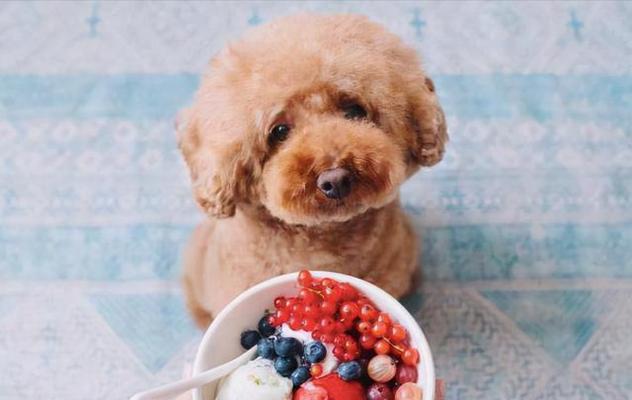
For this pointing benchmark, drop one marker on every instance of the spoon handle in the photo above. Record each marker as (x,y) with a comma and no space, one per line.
(171,390)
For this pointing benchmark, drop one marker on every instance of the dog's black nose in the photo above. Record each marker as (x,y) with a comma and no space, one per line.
(335,183)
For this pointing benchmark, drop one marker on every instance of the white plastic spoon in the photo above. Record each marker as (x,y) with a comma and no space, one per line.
(171,390)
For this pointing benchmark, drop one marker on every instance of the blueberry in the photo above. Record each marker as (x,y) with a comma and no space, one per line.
(265,348)
(286,346)
(300,376)
(315,352)
(249,339)
(265,328)
(350,370)
(285,365)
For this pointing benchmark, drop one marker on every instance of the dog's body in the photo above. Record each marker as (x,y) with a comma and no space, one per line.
(297,143)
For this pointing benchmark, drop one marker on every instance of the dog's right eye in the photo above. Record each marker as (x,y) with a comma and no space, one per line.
(278,133)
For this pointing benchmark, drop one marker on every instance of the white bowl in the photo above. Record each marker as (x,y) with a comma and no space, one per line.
(221,341)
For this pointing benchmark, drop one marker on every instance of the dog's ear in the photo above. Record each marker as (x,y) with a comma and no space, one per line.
(212,145)
(428,124)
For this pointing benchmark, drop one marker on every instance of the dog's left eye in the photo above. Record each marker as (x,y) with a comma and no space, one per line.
(354,111)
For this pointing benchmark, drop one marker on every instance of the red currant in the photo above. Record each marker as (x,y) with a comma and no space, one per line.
(348,324)
(339,340)
(382,347)
(346,357)
(316,370)
(279,302)
(397,333)
(379,329)
(328,283)
(384,317)
(327,338)
(332,294)
(348,292)
(316,334)
(281,316)
(367,341)
(368,313)
(326,324)
(339,352)
(308,324)
(295,323)
(410,356)
(308,296)
(311,311)
(304,278)
(363,326)
(340,327)
(351,345)
(349,310)
(328,307)
(272,321)
(297,310)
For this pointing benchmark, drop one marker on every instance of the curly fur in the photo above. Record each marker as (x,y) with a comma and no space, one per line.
(267,216)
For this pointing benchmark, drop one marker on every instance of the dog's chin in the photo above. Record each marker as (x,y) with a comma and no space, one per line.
(332,212)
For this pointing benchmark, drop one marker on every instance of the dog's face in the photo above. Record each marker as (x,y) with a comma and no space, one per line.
(316,118)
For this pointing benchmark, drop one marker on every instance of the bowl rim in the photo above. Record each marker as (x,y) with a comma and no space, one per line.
(425,352)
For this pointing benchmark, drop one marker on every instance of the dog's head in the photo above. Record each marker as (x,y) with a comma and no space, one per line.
(316,118)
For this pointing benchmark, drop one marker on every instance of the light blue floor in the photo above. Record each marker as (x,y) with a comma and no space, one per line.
(526,225)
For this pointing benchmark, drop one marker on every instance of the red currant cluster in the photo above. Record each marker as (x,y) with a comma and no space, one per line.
(335,312)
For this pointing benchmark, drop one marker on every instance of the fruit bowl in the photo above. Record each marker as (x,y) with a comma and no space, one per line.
(221,341)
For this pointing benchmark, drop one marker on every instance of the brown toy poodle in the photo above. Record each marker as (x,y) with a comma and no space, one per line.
(297,142)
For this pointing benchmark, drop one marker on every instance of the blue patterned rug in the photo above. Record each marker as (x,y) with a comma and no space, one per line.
(527,224)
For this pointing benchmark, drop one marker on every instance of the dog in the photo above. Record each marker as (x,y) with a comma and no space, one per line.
(297,141)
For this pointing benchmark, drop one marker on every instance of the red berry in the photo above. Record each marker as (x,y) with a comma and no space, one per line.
(340,327)
(382,347)
(410,357)
(346,357)
(272,321)
(379,329)
(327,338)
(363,326)
(368,313)
(279,302)
(295,323)
(339,352)
(340,339)
(304,278)
(348,291)
(347,323)
(397,350)
(367,341)
(351,346)
(349,310)
(328,307)
(363,300)
(308,296)
(397,333)
(328,283)
(316,370)
(297,310)
(281,316)
(308,324)
(311,311)
(326,324)
(379,391)
(384,317)
(405,373)
(332,294)
(316,334)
